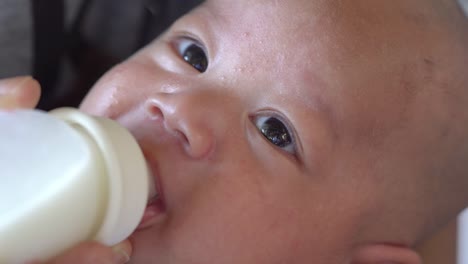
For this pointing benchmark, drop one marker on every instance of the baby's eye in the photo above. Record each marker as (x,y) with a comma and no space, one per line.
(192,53)
(277,132)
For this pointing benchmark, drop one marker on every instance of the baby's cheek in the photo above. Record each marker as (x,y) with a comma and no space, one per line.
(111,94)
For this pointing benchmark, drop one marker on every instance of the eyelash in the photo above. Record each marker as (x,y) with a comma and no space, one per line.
(181,46)
(291,148)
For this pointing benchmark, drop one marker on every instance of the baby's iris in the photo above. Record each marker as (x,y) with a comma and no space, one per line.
(193,54)
(277,132)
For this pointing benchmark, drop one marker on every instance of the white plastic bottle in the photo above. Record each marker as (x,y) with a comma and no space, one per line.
(66,177)
(462,245)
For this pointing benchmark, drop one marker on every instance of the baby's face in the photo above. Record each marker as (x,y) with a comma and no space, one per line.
(266,124)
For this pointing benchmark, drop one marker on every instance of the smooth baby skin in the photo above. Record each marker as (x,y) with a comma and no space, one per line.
(369,99)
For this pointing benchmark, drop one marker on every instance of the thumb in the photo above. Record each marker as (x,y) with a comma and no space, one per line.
(19,92)
(96,253)
(123,251)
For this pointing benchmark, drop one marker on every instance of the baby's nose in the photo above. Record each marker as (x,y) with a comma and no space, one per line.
(187,116)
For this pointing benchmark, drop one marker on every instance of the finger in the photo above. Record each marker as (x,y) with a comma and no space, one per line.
(123,251)
(19,92)
(96,253)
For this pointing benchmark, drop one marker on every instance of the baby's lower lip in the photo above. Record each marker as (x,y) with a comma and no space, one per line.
(153,212)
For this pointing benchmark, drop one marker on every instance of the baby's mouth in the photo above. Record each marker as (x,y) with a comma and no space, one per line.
(154,209)
(155,206)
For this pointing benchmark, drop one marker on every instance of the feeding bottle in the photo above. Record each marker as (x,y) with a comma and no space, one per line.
(67,177)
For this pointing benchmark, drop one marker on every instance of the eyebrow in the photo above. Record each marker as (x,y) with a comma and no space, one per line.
(197,23)
(317,102)
(216,10)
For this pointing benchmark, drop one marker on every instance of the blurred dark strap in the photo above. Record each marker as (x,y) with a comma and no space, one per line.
(48,45)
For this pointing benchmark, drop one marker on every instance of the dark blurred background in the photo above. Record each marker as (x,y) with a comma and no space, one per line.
(68,44)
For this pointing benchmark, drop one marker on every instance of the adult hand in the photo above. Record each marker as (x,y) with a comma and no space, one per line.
(19,92)
(24,92)
(94,253)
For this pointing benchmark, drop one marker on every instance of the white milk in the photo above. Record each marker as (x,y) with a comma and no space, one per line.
(66,177)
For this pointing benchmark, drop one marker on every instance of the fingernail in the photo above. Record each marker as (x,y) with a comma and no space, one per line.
(122,251)
(11,85)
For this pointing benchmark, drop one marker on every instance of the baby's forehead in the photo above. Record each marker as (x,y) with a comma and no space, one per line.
(312,28)
(354,54)
(264,15)
(316,18)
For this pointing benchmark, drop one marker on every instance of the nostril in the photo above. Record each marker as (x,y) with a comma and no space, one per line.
(183,122)
(183,138)
(153,111)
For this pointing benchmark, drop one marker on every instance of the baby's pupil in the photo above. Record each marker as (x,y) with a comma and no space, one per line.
(195,56)
(275,131)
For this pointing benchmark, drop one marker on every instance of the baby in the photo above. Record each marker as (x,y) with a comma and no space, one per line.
(325,131)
